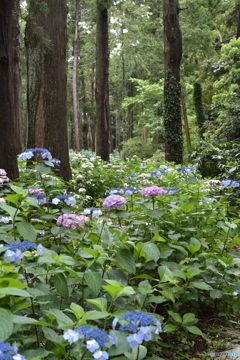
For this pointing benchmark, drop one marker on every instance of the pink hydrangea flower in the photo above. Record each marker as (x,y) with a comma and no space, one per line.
(2,200)
(114,202)
(35,192)
(3,172)
(120,171)
(71,221)
(152,191)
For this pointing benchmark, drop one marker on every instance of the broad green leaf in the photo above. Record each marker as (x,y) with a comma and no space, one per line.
(14,291)
(140,352)
(63,320)
(127,290)
(77,310)
(113,290)
(166,274)
(170,328)
(14,198)
(144,287)
(95,315)
(19,190)
(193,248)
(6,282)
(27,231)
(6,324)
(126,260)
(152,251)
(36,354)
(94,281)
(201,285)
(188,318)
(12,211)
(61,285)
(168,293)
(193,271)
(194,330)
(52,336)
(175,316)
(101,303)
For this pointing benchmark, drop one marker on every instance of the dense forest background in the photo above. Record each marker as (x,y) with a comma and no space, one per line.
(92,75)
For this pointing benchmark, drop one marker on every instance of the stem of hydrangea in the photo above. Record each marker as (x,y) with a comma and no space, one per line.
(153,201)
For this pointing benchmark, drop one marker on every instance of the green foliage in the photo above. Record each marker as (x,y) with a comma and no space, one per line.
(197,96)
(137,146)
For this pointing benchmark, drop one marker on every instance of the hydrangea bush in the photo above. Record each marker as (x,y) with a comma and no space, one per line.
(77,283)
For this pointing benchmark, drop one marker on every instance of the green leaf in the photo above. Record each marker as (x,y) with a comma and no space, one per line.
(10,210)
(140,352)
(168,293)
(95,315)
(152,251)
(201,285)
(61,285)
(193,248)
(27,231)
(94,281)
(175,316)
(14,291)
(188,318)
(101,303)
(126,260)
(194,330)
(77,310)
(170,328)
(165,274)
(193,271)
(36,354)
(19,190)
(6,324)
(63,320)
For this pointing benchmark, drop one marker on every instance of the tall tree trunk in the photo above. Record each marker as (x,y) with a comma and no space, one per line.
(8,153)
(102,86)
(172,88)
(17,78)
(47,81)
(77,126)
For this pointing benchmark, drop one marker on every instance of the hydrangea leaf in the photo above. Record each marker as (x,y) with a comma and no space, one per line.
(6,324)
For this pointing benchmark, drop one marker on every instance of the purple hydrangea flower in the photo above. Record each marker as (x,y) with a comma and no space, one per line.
(152,191)
(35,191)
(71,221)
(114,202)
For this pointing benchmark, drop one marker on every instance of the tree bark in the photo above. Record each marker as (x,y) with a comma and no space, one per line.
(102,86)
(8,152)
(47,81)
(77,127)
(172,88)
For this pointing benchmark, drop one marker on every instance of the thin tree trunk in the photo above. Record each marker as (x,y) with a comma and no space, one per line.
(102,90)
(172,87)
(77,126)
(185,118)
(8,154)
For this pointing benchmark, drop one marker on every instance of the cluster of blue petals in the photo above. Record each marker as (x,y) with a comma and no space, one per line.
(30,153)
(139,318)
(93,211)
(40,198)
(157,173)
(8,352)
(186,170)
(130,190)
(230,183)
(68,199)
(22,246)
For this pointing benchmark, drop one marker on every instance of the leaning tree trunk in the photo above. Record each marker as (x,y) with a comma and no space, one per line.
(47,96)
(102,87)
(172,88)
(8,153)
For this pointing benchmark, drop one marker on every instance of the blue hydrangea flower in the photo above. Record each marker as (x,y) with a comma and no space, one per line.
(145,331)
(186,170)
(55,161)
(95,212)
(164,167)
(134,340)
(129,327)
(157,173)
(8,352)
(72,336)
(101,355)
(5,219)
(13,256)
(230,183)
(172,190)
(68,199)
(30,153)
(99,335)
(92,345)
(40,198)
(114,191)
(130,190)
(22,246)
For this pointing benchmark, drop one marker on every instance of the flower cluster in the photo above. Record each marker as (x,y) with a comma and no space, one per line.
(93,211)
(68,199)
(35,191)
(114,202)
(152,191)
(40,198)
(15,250)
(230,183)
(157,173)
(30,153)
(8,352)
(3,176)
(95,339)
(130,190)
(186,170)
(138,323)
(172,190)
(5,219)
(114,191)
(71,221)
